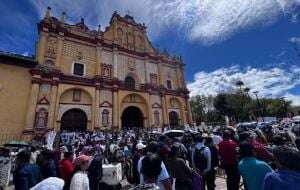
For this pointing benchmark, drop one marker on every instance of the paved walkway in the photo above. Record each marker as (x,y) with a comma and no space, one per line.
(220,182)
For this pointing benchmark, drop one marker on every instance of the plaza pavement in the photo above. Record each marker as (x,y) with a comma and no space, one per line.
(220,182)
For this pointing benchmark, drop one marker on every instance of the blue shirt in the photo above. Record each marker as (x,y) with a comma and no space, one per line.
(253,172)
(282,180)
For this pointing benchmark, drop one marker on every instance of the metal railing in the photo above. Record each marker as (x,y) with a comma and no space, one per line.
(6,137)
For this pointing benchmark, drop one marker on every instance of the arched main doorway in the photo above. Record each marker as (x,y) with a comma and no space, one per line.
(74,120)
(174,119)
(132,117)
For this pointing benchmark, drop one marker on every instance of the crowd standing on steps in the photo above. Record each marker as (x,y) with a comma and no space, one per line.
(154,161)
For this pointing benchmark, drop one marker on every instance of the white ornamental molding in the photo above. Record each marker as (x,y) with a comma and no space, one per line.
(38,107)
(64,108)
(175,110)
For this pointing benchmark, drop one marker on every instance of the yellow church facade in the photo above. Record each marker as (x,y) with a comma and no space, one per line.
(83,79)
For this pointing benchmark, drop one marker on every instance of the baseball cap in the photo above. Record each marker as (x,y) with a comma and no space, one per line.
(140,146)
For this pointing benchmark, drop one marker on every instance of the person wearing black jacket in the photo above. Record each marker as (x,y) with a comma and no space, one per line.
(95,170)
(210,177)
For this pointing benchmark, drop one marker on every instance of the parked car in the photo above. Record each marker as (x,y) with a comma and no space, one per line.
(174,133)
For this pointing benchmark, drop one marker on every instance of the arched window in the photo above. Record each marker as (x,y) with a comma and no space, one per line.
(105,117)
(156,118)
(41,118)
(174,119)
(129,82)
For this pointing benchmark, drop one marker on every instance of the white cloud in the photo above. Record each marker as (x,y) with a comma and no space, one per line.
(206,21)
(25,53)
(295,40)
(294,98)
(274,82)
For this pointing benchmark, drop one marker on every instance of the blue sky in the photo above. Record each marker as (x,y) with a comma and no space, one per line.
(221,41)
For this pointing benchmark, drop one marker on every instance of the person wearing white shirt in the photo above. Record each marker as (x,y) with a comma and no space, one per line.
(52,183)
(80,180)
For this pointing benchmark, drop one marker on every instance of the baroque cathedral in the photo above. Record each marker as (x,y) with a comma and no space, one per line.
(83,79)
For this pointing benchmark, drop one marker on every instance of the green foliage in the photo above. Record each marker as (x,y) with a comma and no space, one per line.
(203,111)
(238,106)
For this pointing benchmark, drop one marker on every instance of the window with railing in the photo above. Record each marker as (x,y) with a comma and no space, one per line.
(153,79)
(78,69)
(169,84)
(129,82)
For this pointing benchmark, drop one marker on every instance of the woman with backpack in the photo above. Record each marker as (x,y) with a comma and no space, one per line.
(201,156)
(179,170)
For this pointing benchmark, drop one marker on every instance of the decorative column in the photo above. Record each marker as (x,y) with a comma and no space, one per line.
(150,118)
(189,110)
(60,44)
(97,110)
(98,61)
(179,77)
(33,98)
(164,111)
(147,77)
(183,118)
(115,62)
(53,99)
(115,108)
(182,76)
(93,111)
(41,47)
(160,74)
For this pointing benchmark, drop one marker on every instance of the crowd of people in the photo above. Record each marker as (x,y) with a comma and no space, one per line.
(156,161)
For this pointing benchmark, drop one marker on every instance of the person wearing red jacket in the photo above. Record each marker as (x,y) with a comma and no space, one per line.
(261,152)
(66,168)
(229,161)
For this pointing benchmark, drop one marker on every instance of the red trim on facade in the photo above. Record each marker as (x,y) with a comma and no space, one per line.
(156,105)
(43,99)
(106,102)
(94,39)
(75,103)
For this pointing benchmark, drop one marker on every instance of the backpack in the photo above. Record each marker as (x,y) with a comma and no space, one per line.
(200,159)
(214,157)
(197,182)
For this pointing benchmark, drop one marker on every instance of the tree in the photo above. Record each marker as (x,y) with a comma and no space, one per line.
(239,84)
(237,106)
(203,110)
(197,106)
(246,90)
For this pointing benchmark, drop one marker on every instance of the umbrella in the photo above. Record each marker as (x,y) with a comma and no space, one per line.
(17,144)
